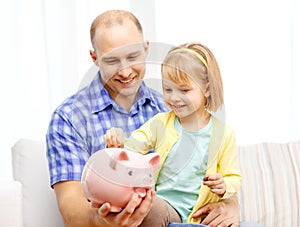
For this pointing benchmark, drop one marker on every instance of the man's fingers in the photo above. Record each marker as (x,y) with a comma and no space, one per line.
(221,222)
(209,218)
(234,225)
(145,207)
(104,209)
(138,208)
(203,210)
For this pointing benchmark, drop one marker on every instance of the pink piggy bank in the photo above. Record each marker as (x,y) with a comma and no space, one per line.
(112,175)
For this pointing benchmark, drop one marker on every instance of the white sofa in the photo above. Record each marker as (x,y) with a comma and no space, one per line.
(30,168)
(270,192)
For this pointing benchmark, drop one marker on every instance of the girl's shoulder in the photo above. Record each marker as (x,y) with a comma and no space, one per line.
(165,116)
(221,126)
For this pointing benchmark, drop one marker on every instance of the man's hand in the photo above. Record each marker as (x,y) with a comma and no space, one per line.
(79,212)
(221,214)
(132,215)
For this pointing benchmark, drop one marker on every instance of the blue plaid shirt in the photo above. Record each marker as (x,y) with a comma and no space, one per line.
(78,125)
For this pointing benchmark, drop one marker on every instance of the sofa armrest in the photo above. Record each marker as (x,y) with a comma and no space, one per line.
(11,204)
(30,168)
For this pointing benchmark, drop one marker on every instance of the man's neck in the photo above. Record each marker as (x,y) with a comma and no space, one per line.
(125,102)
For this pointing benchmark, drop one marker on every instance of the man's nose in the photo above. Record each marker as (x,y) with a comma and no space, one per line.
(125,69)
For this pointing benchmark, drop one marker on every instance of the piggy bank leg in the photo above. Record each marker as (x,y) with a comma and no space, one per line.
(115,209)
(140,191)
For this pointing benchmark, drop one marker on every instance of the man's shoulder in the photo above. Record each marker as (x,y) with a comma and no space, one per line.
(84,98)
(78,101)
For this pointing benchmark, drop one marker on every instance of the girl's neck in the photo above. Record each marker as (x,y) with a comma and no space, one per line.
(195,122)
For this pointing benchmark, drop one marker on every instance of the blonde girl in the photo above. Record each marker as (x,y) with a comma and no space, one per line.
(199,161)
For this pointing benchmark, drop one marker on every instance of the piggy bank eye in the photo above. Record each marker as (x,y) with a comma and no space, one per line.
(130,172)
(150,175)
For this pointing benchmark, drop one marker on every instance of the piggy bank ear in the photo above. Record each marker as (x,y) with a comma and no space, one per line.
(121,156)
(154,159)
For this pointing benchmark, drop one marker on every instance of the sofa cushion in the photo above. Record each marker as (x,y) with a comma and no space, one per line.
(271,183)
(31,169)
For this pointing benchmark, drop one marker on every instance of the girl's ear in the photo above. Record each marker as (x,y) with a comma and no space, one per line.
(207,90)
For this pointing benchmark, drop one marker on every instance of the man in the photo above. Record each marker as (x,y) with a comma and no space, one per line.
(117,97)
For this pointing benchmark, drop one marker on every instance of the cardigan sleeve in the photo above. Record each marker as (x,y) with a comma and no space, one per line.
(228,164)
(147,137)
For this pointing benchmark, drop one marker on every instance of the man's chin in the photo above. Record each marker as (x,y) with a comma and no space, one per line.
(128,92)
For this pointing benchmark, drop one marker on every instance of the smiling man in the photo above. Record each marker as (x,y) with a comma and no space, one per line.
(116,97)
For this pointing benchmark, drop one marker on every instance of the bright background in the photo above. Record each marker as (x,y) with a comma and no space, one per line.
(44,53)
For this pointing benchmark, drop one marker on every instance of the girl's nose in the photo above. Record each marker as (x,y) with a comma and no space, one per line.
(175,96)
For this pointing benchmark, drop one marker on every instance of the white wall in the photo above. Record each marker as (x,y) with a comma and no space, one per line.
(44,54)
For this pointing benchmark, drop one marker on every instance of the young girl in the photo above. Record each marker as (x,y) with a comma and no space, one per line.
(199,160)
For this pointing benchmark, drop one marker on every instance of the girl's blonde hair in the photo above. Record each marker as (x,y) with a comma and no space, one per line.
(195,62)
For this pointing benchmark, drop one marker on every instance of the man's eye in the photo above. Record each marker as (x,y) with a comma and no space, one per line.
(111,62)
(132,58)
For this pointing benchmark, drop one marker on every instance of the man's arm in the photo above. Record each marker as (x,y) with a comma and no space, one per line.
(221,214)
(77,212)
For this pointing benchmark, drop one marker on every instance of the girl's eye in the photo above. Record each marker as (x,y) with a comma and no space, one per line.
(185,90)
(168,90)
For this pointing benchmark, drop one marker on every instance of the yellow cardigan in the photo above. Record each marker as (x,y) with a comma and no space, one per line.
(159,134)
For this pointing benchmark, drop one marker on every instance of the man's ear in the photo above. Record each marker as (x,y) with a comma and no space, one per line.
(94,57)
(146,46)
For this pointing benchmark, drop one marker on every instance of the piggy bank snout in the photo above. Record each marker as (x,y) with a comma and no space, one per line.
(144,180)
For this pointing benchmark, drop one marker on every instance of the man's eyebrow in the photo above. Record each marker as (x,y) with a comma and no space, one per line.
(109,58)
(135,52)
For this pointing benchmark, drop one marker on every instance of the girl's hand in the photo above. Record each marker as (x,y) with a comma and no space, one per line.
(114,137)
(215,183)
